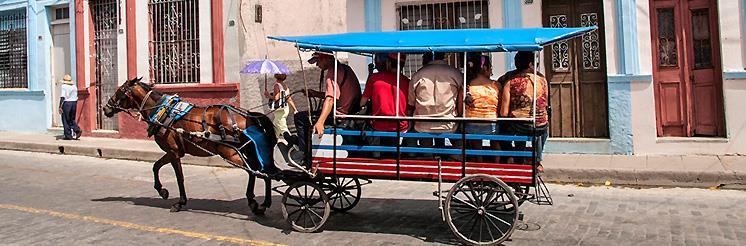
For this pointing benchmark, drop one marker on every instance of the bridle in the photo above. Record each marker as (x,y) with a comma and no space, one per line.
(127,94)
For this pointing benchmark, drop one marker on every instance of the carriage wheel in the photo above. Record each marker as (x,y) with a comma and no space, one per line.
(305,206)
(344,193)
(481,210)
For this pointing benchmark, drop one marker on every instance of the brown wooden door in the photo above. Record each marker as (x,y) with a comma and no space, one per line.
(576,70)
(687,70)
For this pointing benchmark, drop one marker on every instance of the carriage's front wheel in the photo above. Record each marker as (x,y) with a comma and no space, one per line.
(481,210)
(305,206)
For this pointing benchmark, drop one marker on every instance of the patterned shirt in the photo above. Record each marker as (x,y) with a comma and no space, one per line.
(521,97)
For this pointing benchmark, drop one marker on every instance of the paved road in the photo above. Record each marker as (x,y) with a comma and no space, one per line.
(53,199)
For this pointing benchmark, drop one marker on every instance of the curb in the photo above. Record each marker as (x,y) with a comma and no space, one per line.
(624,177)
(643,178)
(108,153)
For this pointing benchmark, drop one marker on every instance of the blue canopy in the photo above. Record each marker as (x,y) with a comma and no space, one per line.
(453,40)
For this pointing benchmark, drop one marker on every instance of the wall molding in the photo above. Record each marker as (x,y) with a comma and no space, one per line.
(734,75)
(628,78)
(512,18)
(372,11)
(626,29)
(28,93)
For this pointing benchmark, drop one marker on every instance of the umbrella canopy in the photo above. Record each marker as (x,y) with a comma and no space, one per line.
(265,67)
(456,40)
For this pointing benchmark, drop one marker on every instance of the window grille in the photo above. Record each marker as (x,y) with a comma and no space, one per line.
(441,15)
(174,41)
(13,50)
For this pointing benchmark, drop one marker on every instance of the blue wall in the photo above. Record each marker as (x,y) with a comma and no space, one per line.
(30,110)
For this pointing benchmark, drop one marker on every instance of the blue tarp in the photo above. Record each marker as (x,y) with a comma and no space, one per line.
(454,40)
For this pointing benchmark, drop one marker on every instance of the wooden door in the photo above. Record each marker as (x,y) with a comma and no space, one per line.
(687,70)
(576,70)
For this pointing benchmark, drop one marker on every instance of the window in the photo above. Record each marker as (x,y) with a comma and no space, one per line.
(13,52)
(442,15)
(62,13)
(174,41)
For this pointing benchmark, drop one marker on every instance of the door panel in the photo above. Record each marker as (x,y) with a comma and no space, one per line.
(60,65)
(576,71)
(687,71)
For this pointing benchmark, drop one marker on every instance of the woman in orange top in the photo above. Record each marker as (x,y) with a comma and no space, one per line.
(481,101)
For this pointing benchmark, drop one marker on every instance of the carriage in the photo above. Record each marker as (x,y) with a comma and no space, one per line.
(482,206)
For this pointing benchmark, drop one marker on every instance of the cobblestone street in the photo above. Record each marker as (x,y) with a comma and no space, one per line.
(54,199)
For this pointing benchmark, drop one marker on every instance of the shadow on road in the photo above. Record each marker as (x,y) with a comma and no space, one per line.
(419,219)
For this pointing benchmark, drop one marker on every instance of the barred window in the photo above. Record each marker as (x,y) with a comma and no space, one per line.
(174,41)
(441,15)
(13,51)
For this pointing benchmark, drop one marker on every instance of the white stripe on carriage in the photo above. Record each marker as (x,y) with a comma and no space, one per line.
(418,173)
(435,167)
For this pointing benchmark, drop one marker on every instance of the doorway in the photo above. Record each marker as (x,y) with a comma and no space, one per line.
(687,73)
(105,29)
(61,60)
(576,70)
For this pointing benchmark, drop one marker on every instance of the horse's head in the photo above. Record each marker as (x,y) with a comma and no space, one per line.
(129,96)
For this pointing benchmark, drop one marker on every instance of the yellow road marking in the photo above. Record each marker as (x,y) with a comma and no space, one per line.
(134,226)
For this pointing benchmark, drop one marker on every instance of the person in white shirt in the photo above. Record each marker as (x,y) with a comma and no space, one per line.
(68,105)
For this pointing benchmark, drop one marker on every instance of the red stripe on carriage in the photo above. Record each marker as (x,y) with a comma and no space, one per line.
(418,169)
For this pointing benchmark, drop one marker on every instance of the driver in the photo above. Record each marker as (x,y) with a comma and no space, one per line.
(347,94)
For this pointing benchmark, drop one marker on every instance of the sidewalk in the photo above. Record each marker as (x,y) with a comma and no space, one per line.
(651,170)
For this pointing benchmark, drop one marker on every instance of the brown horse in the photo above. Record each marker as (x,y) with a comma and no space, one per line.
(139,98)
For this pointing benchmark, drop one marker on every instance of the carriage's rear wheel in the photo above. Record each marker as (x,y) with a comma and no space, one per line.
(305,206)
(344,193)
(481,210)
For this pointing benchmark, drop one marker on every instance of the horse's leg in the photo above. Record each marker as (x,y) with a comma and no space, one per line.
(253,205)
(176,163)
(156,177)
(267,193)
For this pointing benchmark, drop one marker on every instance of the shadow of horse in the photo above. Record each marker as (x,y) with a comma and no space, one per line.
(419,219)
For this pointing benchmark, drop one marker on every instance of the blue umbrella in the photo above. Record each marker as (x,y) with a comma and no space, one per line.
(265,67)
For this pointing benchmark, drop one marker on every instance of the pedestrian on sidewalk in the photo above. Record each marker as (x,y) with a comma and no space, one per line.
(68,105)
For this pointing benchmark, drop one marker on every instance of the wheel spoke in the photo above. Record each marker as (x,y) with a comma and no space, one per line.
(489,231)
(471,231)
(497,218)
(496,227)
(317,214)
(467,222)
(311,218)
(465,203)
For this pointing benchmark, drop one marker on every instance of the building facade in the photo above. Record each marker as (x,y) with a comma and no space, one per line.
(35,52)
(654,79)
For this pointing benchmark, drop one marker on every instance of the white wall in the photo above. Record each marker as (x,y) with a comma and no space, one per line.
(643,100)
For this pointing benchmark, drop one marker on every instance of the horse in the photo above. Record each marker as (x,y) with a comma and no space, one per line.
(140,100)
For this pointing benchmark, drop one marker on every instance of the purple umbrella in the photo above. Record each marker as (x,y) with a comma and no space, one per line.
(265,67)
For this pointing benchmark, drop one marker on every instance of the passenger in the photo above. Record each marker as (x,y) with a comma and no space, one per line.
(381,90)
(347,94)
(481,102)
(436,91)
(517,102)
(280,100)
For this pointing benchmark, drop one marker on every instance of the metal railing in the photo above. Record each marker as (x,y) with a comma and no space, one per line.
(13,50)
(433,15)
(174,41)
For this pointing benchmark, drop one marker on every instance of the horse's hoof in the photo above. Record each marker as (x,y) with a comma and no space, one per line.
(175,208)
(260,210)
(163,193)
(255,208)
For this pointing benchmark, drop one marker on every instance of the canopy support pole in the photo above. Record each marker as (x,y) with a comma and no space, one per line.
(463,123)
(305,83)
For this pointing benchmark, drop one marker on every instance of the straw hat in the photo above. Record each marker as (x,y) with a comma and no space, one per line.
(67,79)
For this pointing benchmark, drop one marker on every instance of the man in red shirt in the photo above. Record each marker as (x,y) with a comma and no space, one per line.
(381,90)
